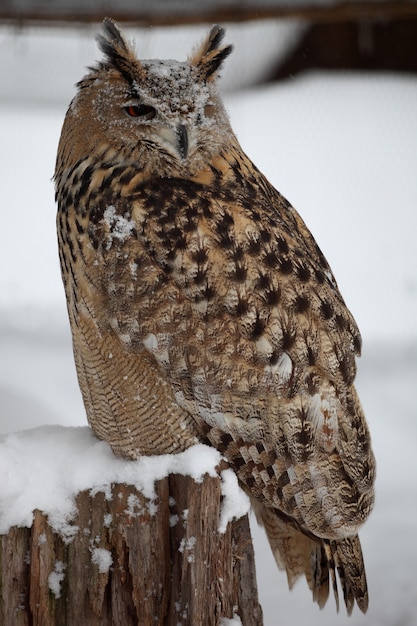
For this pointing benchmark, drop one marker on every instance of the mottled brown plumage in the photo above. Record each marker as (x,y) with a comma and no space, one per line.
(202,308)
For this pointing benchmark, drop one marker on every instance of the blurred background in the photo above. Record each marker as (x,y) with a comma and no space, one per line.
(323,97)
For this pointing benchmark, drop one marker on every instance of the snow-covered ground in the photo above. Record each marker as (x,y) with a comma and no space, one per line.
(343,149)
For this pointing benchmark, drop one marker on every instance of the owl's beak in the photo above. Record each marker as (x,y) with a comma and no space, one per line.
(182,135)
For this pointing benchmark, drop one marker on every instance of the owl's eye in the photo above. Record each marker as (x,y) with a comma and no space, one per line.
(140,110)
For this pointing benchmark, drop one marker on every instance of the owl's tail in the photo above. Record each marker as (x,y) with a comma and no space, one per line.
(299,553)
(346,557)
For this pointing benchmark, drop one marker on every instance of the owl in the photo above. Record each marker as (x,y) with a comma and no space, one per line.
(202,309)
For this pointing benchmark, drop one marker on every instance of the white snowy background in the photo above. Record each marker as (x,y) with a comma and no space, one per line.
(343,149)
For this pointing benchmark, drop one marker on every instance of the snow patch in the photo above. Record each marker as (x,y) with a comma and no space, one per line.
(186,547)
(41,539)
(107,520)
(235,501)
(102,558)
(44,468)
(173,520)
(56,577)
(134,506)
(120,227)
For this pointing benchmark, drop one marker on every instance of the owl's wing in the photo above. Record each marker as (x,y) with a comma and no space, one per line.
(240,310)
(257,342)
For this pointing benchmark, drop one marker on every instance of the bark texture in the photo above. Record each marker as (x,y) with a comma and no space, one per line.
(169,563)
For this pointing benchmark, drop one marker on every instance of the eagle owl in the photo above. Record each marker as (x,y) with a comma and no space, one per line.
(202,309)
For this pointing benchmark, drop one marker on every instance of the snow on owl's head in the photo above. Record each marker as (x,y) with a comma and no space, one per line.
(166,115)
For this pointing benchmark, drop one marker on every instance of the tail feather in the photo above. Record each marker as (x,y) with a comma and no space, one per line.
(332,572)
(347,555)
(299,553)
(295,553)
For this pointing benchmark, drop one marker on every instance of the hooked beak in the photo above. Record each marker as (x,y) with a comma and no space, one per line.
(182,140)
(176,138)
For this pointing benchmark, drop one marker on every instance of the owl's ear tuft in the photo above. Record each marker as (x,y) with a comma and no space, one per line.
(119,54)
(208,58)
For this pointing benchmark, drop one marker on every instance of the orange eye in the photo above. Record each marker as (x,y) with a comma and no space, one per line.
(140,110)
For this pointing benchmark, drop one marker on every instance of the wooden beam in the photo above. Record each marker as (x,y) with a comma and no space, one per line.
(202,13)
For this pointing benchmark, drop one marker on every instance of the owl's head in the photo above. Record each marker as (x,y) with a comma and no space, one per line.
(164,115)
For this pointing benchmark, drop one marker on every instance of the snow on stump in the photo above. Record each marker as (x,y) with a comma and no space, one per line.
(167,551)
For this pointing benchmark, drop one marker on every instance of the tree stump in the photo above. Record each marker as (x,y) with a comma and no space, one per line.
(133,562)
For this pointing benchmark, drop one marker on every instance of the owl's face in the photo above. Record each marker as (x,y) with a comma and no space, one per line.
(164,115)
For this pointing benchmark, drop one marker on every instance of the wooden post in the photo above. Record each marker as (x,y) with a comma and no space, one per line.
(132,562)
